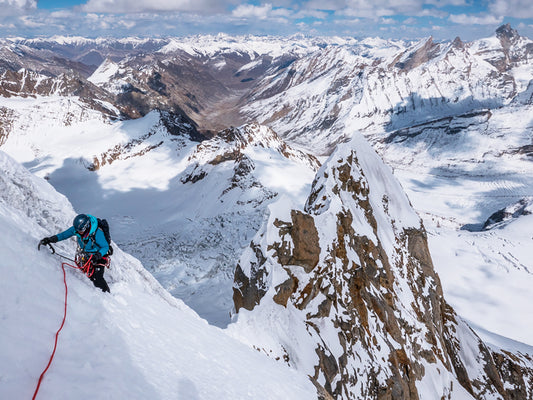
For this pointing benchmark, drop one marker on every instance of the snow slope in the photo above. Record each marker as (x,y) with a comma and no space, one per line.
(143,179)
(487,277)
(136,343)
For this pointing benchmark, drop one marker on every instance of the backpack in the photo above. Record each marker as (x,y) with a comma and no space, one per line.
(104,226)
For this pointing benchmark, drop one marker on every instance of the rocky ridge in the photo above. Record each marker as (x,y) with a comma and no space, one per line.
(231,144)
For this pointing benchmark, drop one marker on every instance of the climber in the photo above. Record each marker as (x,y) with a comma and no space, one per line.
(92,245)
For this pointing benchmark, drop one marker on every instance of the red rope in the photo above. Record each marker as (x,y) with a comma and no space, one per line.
(57,333)
(86,269)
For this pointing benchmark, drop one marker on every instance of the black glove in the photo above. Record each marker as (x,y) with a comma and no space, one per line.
(48,240)
(97,257)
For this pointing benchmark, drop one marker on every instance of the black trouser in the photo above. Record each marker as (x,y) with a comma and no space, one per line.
(98,278)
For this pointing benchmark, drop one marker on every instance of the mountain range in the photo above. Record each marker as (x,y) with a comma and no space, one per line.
(356,209)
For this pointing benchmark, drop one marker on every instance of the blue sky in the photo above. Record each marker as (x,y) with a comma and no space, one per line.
(402,19)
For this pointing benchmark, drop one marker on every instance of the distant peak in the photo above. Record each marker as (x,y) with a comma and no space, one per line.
(457,42)
(420,53)
(506,31)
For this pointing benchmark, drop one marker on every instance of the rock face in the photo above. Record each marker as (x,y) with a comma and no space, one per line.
(423,53)
(522,207)
(348,291)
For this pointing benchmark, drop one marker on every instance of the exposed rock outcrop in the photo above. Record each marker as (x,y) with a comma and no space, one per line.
(522,207)
(421,54)
(6,123)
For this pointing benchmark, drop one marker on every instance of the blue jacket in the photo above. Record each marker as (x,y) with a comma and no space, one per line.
(88,245)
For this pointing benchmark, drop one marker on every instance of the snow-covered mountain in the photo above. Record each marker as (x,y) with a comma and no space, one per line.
(311,90)
(348,294)
(142,132)
(377,88)
(138,342)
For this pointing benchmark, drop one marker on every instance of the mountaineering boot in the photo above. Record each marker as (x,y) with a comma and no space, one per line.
(98,278)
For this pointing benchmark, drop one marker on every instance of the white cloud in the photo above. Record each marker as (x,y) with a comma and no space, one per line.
(24,4)
(512,8)
(331,5)
(282,12)
(127,24)
(311,13)
(139,6)
(183,17)
(12,7)
(62,14)
(443,3)
(251,11)
(351,8)
(31,22)
(93,17)
(387,21)
(355,21)
(464,19)
(106,22)
(381,8)
(431,12)
(267,10)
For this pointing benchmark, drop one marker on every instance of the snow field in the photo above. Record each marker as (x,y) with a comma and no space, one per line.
(487,278)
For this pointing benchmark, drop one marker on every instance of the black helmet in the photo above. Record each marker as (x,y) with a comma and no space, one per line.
(81,223)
